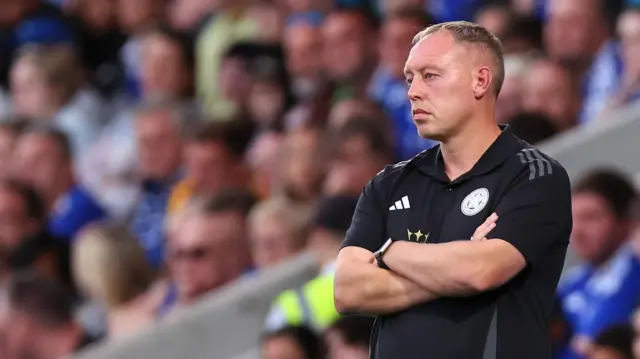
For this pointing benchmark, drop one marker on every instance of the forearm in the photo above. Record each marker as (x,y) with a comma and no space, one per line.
(448,269)
(365,288)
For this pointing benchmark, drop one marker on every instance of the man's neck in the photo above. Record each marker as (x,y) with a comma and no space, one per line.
(463,151)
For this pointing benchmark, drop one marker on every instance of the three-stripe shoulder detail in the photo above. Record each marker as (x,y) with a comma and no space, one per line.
(538,164)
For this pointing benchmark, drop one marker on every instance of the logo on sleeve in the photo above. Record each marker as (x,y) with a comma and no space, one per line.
(474,202)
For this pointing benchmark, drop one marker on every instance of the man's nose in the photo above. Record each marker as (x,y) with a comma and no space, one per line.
(414,92)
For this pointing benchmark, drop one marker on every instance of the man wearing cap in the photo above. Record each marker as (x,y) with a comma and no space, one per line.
(312,304)
(459,250)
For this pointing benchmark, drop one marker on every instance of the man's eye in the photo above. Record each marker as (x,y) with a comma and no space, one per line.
(429,76)
(409,81)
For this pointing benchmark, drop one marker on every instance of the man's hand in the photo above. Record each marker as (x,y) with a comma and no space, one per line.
(483,230)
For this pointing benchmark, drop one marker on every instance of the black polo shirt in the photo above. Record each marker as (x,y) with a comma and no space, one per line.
(415,201)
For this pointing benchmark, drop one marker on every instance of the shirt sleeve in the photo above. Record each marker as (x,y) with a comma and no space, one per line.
(368,223)
(535,214)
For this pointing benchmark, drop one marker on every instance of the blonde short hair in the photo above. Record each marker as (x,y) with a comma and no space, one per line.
(59,66)
(468,33)
(110,265)
(296,217)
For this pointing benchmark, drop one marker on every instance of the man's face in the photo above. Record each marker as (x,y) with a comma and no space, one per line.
(263,156)
(99,14)
(352,168)
(594,233)
(234,80)
(548,89)
(37,161)
(203,252)
(271,242)
(266,102)
(163,68)
(209,166)
(14,221)
(439,73)
(568,33)
(346,46)
(132,15)
(31,95)
(159,144)
(629,32)
(303,46)
(301,172)
(395,43)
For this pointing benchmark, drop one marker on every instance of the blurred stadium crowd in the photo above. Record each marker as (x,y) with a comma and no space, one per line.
(152,151)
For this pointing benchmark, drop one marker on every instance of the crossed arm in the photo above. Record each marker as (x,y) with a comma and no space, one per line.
(423,272)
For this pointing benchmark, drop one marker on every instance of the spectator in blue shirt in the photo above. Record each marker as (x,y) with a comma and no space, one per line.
(302,41)
(350,57)
(605,290)
(388,87)
(159,125)
(578,33)
(629,34)
(134,17)
(43,159)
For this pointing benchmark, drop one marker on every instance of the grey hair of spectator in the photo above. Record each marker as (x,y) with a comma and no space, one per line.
(184,115)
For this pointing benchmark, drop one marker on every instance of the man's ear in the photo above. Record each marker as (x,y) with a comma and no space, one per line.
(483,82)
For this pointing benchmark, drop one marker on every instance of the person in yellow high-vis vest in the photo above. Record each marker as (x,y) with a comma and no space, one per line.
(309,304)
(312,304)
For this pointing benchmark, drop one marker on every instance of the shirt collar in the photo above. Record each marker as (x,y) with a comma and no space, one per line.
(504,146)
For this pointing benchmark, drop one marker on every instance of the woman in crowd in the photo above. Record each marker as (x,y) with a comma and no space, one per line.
(112,271)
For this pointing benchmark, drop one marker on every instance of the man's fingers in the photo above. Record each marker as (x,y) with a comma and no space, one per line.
(483,230)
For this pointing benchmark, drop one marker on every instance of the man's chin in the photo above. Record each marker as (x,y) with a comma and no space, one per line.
(430,135)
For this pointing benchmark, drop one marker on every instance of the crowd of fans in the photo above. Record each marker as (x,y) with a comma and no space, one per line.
(153,151)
